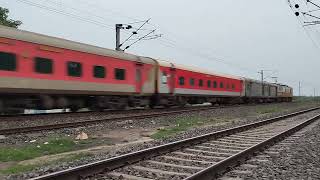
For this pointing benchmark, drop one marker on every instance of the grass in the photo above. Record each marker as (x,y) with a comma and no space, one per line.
(182,124)
(306,99)
(54,146)
(19,168)
(268,110)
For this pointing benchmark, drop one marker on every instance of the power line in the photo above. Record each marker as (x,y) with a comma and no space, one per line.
(205,56)
(136,22)
(65,13)
(134,32)
(148,37)
(79,10)
(106,10)
(301,22)
(172,43)
(140,39)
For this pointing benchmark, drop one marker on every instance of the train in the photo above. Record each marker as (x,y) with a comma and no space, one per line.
(43,72)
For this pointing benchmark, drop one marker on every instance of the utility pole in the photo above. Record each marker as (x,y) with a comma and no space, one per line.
(299,88)
(262,78)
(118,28)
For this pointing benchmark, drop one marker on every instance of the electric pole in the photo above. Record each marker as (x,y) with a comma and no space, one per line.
(118,27)
(118,39)
(262,78)
(299,88)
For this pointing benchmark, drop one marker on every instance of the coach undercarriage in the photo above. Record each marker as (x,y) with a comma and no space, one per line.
(16,103)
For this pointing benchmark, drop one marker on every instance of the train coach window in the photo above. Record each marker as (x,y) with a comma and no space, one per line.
(120,74)
(99,71)
(43,65)
(191,81)
(215,84)
(8,61)
(221,84)
(233,87)
(209,84)
(74,69)
(181,80)
(200,82)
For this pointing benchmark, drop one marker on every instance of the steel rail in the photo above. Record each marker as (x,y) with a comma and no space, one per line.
(89,122)
(215,170)
(80,112)
(130,158)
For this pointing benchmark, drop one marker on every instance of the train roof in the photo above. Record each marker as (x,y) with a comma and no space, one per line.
(22,35)
(196,69)
(205,71)
(279,84)
(259,81)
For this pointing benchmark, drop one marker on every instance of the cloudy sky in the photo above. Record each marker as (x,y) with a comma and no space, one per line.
(235,37)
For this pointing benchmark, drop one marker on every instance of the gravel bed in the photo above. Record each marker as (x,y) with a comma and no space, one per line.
(296,157)
(185,163)
(55,118)
(157,168)
(244,113)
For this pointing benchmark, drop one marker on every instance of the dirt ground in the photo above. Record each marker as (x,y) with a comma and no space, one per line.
(106,141)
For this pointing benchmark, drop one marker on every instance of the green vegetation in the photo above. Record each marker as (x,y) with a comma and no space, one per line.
(268,110)
(8,22)
(29,157)
(54,146)
(184,124)
(306,99)
(20,168)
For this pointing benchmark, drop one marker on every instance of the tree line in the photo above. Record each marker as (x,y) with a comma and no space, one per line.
(4,19)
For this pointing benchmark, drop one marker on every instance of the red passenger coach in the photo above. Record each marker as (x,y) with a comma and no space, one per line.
(42,72)
(38,71)
(192,85)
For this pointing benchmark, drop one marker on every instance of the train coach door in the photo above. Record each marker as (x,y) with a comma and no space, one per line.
(139,68)
(172,79)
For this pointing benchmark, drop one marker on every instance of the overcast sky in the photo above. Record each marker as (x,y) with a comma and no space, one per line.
(236,37)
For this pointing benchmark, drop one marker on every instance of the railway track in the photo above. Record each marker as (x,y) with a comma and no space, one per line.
(202,157)
(27,129)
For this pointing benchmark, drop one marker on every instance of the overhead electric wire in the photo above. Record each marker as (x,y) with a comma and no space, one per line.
(311,15)
(106,10)
(146,38)
(174,43)
(313,3)
(138,21)
(205,56)
(313,10)
(303,27)
(81,11)
(140,39)
(65,13)
(135,32)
